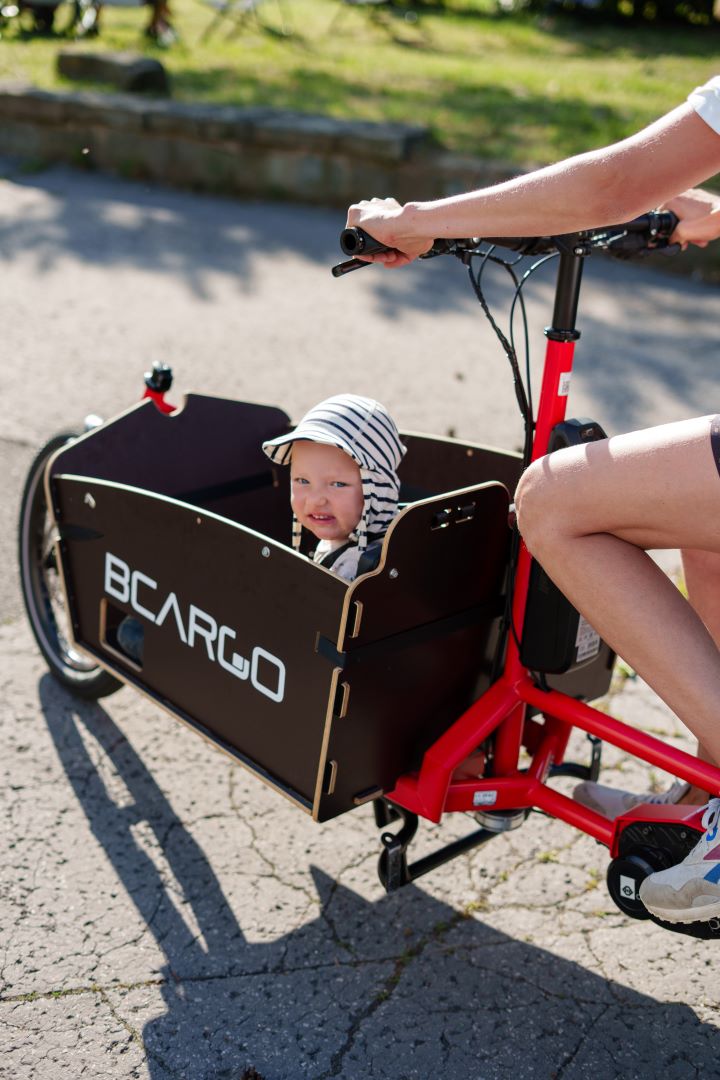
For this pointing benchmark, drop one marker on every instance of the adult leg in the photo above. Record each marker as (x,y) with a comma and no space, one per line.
(160,28)
(590,513)
(702,579)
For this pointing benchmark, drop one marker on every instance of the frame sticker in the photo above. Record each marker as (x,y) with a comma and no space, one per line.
(564,383)
(587,641)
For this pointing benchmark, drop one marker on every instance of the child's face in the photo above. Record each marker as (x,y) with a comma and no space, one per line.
(325,490)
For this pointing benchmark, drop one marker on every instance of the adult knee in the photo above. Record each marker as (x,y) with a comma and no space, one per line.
(532,504)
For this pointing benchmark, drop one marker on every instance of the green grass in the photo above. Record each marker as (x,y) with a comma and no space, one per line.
(517,88)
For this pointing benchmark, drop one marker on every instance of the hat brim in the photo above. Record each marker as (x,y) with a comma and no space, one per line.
(279,450)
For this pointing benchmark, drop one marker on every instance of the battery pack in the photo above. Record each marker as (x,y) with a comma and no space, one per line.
(556,638)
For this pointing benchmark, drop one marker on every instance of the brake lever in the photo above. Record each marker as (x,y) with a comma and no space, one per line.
(348,266)
(662,247)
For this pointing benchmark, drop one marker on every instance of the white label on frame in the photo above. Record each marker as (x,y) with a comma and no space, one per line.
(485,798)
(587,641)
(628,888)
(564,383)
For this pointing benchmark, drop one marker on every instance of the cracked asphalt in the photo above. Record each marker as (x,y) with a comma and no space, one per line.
(165,916)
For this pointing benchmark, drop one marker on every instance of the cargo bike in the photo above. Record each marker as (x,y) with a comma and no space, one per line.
(421,688)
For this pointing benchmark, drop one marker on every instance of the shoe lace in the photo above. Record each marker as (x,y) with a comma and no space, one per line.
(711,817)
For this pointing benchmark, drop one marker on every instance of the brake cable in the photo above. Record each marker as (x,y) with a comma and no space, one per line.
(508,348)
(523,392)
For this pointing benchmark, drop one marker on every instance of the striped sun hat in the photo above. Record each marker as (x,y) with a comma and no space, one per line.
(364,429)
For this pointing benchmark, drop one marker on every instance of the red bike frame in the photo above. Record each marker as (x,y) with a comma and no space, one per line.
(442,784)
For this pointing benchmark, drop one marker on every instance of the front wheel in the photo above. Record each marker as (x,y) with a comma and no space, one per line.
(42,588)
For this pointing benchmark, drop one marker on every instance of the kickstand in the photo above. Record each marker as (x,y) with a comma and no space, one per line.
(393,868)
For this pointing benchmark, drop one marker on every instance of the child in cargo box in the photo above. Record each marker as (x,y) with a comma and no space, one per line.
(344,488)
(343,457)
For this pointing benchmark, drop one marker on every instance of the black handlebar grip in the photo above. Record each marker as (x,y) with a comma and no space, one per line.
(358,242)
(655,223)
(669,222)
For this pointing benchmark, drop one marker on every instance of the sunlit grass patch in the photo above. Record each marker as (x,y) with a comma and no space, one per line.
(522,89)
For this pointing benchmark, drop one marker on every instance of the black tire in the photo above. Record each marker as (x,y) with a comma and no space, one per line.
(41,587)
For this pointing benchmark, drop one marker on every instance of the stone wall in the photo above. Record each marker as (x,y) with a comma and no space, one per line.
(252,152)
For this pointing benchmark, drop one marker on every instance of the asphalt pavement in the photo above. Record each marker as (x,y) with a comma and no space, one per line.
(163,914)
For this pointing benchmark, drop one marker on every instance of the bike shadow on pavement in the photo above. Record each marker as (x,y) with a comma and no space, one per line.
(345,993)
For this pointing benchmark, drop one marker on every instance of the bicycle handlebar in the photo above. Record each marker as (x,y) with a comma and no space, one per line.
(644,234)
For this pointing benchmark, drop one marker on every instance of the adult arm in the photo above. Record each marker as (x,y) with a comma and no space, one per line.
(602,187)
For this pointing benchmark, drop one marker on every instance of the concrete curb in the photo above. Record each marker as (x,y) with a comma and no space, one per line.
(256,152)
(261,152)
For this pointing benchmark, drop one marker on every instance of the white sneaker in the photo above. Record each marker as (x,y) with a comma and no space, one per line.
(690,891)
(614,801)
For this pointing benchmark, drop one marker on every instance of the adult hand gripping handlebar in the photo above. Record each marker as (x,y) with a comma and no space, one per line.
(356,242)
(641,236)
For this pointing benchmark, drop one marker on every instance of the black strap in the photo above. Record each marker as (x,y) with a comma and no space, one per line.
(332,556)
(238,486)
(416,635)
(78,532)
(370,557)
(368,560)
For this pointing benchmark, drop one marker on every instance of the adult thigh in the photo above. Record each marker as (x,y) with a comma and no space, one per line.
(656,488)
